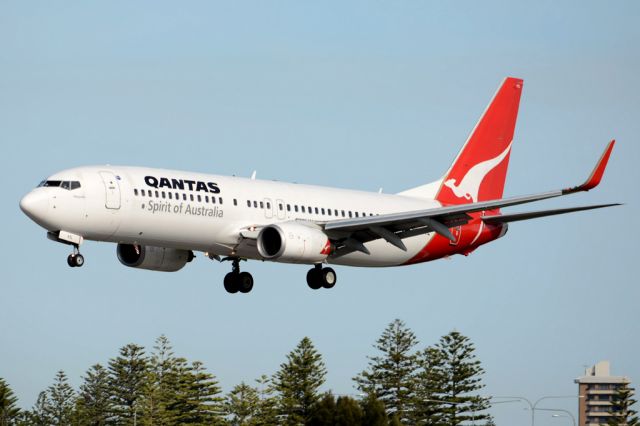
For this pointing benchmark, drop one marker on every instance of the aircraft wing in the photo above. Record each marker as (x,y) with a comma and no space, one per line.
(351,234)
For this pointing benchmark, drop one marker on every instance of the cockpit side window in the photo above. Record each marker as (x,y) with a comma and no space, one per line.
(69,185)
(50,183)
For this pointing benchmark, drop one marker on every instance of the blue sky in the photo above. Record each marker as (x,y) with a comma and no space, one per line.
(352,94)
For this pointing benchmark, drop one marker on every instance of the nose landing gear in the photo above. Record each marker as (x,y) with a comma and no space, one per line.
(236,281)
(318,277)
(75,259)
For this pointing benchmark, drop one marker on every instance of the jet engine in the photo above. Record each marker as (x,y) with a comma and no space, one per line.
(292,242)
(153,258)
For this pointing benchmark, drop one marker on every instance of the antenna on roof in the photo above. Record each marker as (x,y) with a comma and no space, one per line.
(253,175)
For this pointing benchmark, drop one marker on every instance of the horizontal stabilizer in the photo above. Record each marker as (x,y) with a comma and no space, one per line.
(515,217)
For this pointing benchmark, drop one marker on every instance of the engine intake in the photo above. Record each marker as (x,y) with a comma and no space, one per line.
(293,243)
(153,258)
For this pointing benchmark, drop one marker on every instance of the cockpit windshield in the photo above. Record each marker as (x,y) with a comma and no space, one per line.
(64,184)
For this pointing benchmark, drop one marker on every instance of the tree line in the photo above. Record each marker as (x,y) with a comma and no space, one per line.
(402,384)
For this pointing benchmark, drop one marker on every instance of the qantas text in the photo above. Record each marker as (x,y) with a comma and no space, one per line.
(191,185)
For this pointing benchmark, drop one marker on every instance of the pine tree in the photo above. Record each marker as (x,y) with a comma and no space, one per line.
(298,381)
(621,412)
(373,412)
(391,376)
(128,375)
(40,413)
(94,404)
(9,411)
(242,405)
(60,407)
(203,395)
(429,409)
(324,411)
(161,385)
(267,414)
(348,412)
(461,376)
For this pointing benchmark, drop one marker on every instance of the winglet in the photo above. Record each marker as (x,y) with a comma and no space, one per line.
(596,175)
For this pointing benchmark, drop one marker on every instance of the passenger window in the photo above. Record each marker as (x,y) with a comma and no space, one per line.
(255,204)
(316,210)
(356,214)
(191,196)
(184,197)
(261,204)
(142,192)
(135,192)
(322,210)
(157,194)
(288,207)
(279,206)
(213,201)
(163,194)
(329,212)
(199,198)
(150,193)
(269,205)
(170,194)
(336,212)
(302,208)
(350,213)
(177,196)
(295,208)
(248,203)
(235,201)
(220,200)
(343,213)
(206,198)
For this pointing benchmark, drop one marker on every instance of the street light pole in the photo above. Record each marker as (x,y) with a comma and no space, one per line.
(533,406)
(568,414)
(551,397)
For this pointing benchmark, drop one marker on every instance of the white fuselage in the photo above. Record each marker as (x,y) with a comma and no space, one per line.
(158,207)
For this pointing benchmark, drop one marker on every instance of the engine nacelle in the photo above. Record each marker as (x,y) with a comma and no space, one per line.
(153,258)
(292,242)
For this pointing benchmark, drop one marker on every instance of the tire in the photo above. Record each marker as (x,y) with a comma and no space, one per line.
(314,279)
(71,261)
(231,282)
(78,260)
(244,282)
(329,277)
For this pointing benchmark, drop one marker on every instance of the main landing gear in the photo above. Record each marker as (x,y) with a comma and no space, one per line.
(321,277)
(75,259)
(236,281)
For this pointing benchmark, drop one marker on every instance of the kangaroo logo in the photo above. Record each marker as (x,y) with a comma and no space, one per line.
(470,185)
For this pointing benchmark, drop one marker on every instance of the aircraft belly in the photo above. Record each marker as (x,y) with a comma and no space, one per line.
(384,254)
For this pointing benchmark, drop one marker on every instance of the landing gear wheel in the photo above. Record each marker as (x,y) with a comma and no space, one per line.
(236,281)
(244,282)
(79,260)
(314,279)
(75,260)
(329,277)
(231,282)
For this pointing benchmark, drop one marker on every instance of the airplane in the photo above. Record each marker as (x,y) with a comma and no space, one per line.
(158,218)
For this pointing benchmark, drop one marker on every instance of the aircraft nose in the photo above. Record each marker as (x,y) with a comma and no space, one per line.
(35,205)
